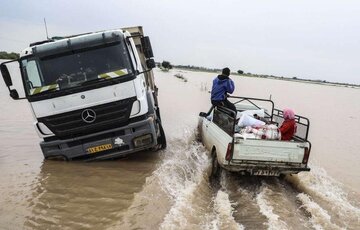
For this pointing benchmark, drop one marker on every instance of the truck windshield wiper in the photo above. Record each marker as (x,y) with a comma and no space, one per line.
(92,81)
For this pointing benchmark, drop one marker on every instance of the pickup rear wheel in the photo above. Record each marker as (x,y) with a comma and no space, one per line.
(215,167)
(282,176)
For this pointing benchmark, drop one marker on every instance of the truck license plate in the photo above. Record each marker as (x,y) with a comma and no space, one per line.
(99,148)
(266,173)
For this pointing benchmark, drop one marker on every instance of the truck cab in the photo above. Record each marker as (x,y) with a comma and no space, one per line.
(92,95)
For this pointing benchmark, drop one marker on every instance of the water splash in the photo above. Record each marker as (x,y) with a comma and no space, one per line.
(328,193)
(262,199)
(224,212)
(182,175)
(320,219)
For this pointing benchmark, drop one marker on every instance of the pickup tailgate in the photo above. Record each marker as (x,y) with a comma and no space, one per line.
(269,157)
(265,150)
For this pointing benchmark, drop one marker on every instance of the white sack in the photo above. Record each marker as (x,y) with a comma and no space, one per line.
(269,132)
(259,112)
(246,120)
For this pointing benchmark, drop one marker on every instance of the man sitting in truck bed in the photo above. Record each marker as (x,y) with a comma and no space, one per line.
(222,85)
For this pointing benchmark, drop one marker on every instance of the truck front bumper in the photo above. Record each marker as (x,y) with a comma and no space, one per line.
(108,144)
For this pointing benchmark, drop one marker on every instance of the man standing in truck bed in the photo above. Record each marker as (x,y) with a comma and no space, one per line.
(222,85)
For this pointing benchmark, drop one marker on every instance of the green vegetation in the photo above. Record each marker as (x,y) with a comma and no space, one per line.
(6,55)
(167,65)
(164,66)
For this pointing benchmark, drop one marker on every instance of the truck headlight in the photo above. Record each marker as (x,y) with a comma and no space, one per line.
(143,140)
(44,130)
(135,108)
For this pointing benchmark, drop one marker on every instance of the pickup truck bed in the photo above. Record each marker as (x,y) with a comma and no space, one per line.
(234,152)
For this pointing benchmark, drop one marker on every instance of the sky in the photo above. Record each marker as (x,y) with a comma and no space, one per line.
(310,39)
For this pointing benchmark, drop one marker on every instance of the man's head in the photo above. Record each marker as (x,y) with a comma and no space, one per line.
(226,71)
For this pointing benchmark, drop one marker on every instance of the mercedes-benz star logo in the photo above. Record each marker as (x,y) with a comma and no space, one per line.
(88,115)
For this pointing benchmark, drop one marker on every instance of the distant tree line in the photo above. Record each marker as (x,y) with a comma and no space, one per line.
(300,79)
(6,55)
(197,68)
(166,64)
(200,68)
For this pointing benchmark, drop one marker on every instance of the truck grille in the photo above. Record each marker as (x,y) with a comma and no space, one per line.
(108,116)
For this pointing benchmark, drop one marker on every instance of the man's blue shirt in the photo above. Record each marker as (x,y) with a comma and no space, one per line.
(221,86)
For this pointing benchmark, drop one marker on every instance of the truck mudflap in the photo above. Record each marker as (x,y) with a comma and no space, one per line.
(265,168)
(108,144)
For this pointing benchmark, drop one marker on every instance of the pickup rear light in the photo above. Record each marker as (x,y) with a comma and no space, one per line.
(306,155)
(228,152)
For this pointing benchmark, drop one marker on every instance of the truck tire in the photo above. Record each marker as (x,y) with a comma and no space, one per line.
(57,158)
(215,167)
(162,137)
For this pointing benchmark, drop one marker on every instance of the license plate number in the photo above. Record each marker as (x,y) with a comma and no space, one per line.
(266,173)
(99,148)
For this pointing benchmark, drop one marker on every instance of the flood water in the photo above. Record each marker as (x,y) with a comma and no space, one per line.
(170,189)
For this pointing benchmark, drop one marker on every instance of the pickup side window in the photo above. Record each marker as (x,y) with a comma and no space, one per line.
(224,118)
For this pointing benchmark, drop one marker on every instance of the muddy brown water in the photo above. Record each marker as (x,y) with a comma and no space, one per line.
(170,189)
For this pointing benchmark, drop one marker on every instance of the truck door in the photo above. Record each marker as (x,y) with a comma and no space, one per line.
(11,74)
(204,120)
(221,130)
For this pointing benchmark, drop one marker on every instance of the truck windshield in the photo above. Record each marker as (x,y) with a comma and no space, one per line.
(75,69)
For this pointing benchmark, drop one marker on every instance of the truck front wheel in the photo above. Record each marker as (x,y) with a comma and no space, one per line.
(162,138)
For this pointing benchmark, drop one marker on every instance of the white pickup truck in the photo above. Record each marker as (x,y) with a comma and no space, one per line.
(235,152)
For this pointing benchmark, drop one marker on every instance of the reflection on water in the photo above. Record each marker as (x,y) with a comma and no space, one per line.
(86,195)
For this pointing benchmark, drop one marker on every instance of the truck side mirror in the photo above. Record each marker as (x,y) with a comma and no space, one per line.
(146,45)
(14,94)
(150,63)
(202,114)
(6,75)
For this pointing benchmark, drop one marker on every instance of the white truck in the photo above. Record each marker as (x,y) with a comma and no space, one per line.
(235,152)
(93,95)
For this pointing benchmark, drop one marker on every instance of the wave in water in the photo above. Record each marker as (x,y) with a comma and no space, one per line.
(266,209)
(317,187)
(178,195)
